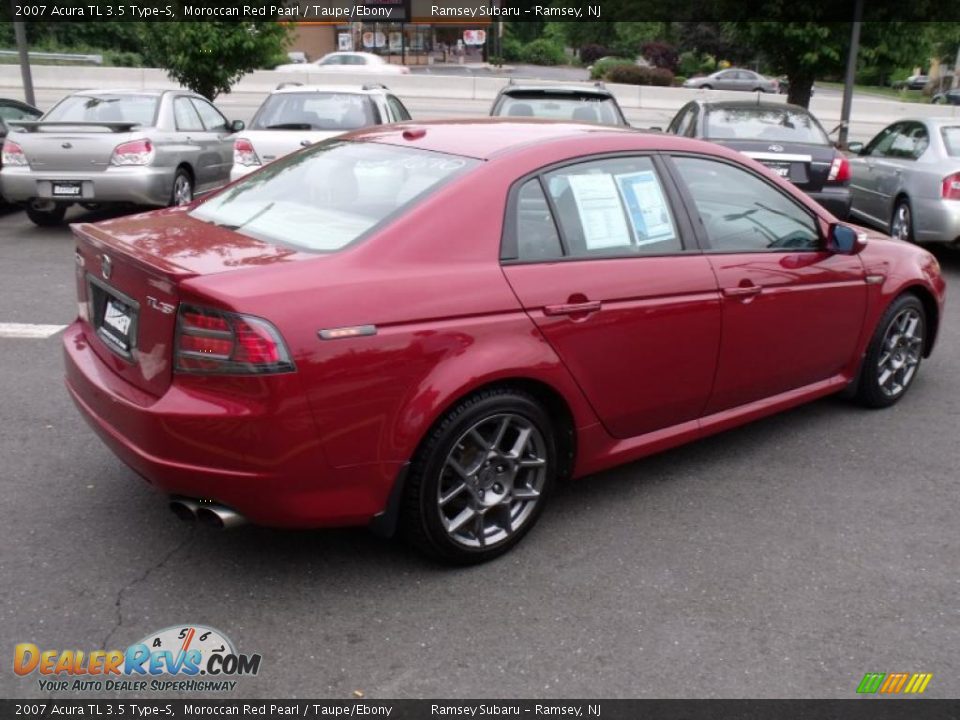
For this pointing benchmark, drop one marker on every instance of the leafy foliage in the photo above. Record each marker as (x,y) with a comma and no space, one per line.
(603,67)
(543,52)
(589,54)
(636,75)
(661,55)
(209,57)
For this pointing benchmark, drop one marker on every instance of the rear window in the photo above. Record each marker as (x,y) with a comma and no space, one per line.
(326,197)
(315,111)
(756,123)
(951,139)
(570,107)
(139,109)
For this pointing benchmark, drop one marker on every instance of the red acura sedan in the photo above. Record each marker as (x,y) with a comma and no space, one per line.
(425,327)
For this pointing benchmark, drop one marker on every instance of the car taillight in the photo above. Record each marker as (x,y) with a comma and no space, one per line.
(839,170)
(135,152)
(13,154)
(951,187)
(212,341)
(244,154)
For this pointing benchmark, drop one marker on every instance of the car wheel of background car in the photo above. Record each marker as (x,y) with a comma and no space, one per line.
(45,213)
(706,87)
(182,188)
(894,354)
(480,480)
(901,227)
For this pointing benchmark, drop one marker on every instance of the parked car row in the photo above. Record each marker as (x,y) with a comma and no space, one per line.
(160,148)
(424,327)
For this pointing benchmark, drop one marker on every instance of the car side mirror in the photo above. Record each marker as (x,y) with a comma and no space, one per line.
(237,126)
(844,240)
(855,147)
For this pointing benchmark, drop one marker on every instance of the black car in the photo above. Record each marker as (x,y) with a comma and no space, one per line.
(949,97)
(785,138)
(14,110)
(577,103)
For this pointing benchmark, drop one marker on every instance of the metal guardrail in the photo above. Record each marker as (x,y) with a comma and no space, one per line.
(69,57)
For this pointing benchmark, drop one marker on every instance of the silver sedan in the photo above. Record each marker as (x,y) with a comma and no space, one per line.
(117,146)
(734,79)
(907,180)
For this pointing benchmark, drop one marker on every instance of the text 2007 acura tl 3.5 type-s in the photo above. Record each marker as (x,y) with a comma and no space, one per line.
(426,327)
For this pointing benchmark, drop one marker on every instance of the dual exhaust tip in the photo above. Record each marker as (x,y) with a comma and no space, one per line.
(209,514)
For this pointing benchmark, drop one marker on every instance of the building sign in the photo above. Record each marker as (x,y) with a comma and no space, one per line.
(345,42)
(474,37)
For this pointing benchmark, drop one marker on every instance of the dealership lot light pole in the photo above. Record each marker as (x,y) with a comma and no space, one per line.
(20,32)
(851,75)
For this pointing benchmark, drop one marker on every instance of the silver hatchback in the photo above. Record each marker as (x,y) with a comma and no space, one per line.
(119,146)
(907,180)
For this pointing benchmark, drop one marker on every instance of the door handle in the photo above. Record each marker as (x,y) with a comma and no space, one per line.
(743,292)
(580,308)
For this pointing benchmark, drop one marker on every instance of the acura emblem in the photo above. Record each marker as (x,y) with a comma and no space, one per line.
(775,148)
(106,266)
(66,146)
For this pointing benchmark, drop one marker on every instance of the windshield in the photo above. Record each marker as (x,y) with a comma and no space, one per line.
(139,109)
(576,108)
(951,138)
(764,124)
(324,198)
(315,111)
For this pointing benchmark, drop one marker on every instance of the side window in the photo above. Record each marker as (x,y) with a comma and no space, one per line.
(910,143)
(15,112)
(212,119)
(537,237)
(186,115)
(679,123)
(742,213)
(879,146)
(397,108)
(691,125)
(332,60)
(613,207)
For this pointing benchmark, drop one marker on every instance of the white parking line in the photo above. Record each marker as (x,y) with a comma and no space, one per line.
(28,330)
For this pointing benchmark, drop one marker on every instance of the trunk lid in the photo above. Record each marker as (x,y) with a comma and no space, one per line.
(129,273)
(805,165)
(53,146)
(273,144)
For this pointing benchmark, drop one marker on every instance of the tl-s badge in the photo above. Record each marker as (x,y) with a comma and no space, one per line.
(165,308)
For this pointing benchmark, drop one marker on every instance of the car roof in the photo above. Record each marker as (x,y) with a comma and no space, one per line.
(485,138)
(131,91)
(744,104)
(556,89)
(366,89)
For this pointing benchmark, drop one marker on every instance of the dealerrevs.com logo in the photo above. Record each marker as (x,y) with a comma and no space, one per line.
(180,658)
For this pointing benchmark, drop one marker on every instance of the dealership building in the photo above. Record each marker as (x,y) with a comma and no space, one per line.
(415,33)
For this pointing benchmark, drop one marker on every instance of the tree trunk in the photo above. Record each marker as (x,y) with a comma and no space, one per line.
(801,90)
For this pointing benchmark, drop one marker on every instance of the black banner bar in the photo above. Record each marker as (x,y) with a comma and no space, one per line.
(345,11)
(854,709)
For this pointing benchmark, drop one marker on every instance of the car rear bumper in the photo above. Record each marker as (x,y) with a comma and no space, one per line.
(834,200)
(936,220)
(262,459)
(138,185)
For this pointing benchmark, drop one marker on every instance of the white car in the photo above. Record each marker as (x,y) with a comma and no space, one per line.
(295,116)
(347,62)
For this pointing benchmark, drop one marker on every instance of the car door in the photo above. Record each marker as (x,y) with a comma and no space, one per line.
(865,180)
(193,138)
(792,311)
(727,80)
(607,268)
(220,139)
(892,164)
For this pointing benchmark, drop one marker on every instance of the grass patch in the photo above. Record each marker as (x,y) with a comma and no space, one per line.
(911,96)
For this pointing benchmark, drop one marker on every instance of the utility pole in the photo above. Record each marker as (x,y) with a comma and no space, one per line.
(20,32)
(851,74)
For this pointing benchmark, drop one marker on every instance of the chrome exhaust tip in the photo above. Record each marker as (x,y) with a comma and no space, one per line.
(219,517)
(184,508)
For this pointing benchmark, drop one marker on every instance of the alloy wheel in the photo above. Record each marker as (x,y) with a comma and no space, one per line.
(900,352)
(902,222)
(182,190)
(492,480)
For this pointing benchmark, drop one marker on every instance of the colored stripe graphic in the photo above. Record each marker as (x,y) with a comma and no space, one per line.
(870,683)
(894,683)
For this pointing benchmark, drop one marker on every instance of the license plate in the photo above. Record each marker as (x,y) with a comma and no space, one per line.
(65,189)
(781,170)
(117,319)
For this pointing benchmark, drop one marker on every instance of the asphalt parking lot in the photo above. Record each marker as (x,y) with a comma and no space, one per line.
(783,559)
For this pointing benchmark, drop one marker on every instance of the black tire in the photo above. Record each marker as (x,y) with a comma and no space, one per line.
(870,383)
(901,226)
(45,213)
(182,183)
(706,87)
(422,519)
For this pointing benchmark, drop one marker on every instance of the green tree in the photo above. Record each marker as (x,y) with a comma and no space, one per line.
(209,57)
(804,51)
